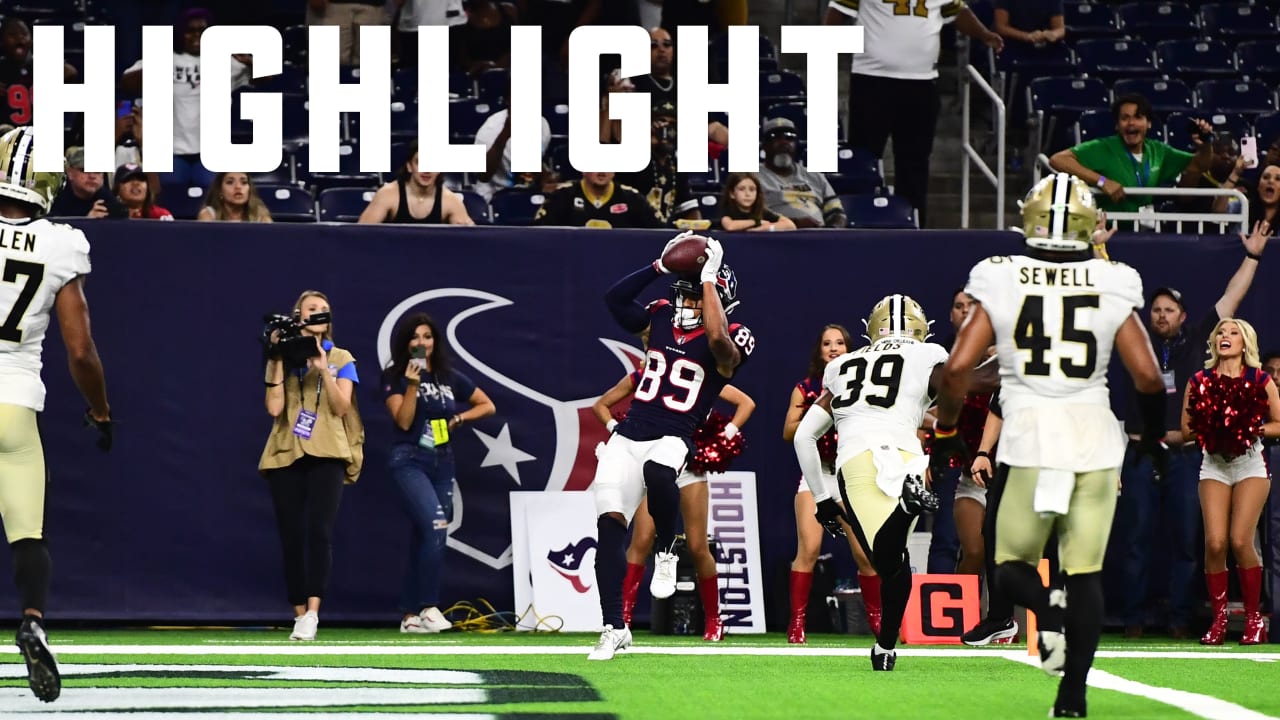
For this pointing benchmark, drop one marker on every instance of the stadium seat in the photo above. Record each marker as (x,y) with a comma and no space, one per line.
(1235,21)
(796,112)
(1178,134)
(557,116)
(1267,128)
(719,47)
(858,172)
(1086,20)
(344,204)
(780,86)
(1230,96)
(515,206)
(1192,60)
(477,208)
(404,120)
(709,208)
(292,79)
(1158,21)
(295,120)
(558,158)
(1166,96)
(404,84)
(282,175)
(466,117)
(1109,58)
(491,86)
(1056,104)
(1259,60)
(183,202)
(296,43)
(1094,124)
(882,212)
(287,203)
(347,175)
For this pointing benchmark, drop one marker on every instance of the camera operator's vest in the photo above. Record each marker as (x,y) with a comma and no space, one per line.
(331,437)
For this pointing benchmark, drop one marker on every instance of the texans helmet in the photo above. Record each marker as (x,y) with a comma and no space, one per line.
(690,318)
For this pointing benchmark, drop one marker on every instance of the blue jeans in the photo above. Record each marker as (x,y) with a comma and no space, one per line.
(188,171)
(425,480)
(1173,504)
(944,547)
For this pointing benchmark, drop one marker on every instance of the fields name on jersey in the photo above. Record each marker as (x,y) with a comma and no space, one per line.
(367,90)
(15,239)
(1055,277)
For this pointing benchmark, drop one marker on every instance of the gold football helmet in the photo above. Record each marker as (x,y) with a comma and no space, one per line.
(897,316)
(18,177)
(1059,214)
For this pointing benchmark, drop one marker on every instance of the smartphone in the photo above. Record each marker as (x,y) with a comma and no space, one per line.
(418,357)
(124,108)
(1249,151)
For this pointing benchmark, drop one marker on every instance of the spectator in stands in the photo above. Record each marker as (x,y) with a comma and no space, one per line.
(484,41)
(315,449)
(16,71)
(348,15)
(85,194)
(1171,502)
(894,87)
(409,14)
(416,197)
(742,207)
(495,135)
(1030,24)
(1129,158)
(1224,171)
(233,197)
(790,189)
(187,168)
(1264,199)
(558,18)
(667,191)
(429,401)
(134,192)
(597,201)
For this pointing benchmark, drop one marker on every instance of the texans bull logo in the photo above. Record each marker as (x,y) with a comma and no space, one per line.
(567,561)
(534,442)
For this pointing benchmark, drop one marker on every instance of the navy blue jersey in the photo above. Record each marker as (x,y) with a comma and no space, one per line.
(678,383)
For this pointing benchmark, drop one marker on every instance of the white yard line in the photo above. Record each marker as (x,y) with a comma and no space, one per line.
(708,649)
(1204,706)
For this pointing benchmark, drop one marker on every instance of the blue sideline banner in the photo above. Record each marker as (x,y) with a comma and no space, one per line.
(176,524)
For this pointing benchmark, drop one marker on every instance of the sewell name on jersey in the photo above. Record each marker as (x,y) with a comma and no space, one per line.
(13,239)
(1055,277)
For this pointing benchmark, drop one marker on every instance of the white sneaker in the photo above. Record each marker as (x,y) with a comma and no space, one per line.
(611,641)
(433,620)
(663,584)
(1053,652)
(304,627)
(412,624)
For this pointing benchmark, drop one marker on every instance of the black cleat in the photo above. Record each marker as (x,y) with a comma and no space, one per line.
(916,498)
(42,666)
(990,630)
(882,659)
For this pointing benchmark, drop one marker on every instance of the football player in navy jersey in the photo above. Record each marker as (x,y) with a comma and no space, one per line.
(693,352)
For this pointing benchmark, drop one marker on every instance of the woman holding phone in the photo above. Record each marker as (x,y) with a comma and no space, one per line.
(423,393)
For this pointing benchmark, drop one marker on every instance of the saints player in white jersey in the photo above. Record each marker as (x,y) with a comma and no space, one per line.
(878,395)
(42,265)
(1055,315)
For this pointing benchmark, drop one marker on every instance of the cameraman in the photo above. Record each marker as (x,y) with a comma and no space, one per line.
(667,192)
(315,448)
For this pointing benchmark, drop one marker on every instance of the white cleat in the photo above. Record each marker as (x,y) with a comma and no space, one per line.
(663,584)
(304,627)
(1053,652)
(611,641)
(433,620)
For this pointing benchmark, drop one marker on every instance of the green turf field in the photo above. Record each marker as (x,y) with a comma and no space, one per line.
(153,674)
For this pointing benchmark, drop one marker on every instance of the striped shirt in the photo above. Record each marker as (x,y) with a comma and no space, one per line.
(901,37)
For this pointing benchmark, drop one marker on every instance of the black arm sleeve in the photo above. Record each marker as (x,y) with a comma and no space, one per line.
(621,299)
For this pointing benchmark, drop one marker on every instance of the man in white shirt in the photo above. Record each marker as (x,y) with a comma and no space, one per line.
(495,135)
(894,87)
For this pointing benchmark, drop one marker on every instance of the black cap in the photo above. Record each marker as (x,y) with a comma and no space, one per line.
(1171,293)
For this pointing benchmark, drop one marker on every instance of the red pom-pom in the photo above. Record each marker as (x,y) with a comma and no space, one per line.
(973,419)
(1227,414)
(714,452)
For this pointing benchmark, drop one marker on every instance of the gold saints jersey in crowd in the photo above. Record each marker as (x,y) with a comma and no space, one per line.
(1055,324)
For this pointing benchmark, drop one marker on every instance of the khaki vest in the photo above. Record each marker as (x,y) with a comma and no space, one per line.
(332,436)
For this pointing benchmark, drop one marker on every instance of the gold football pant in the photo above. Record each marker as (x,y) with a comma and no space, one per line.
(1021,532)
(22,474)
(864,498)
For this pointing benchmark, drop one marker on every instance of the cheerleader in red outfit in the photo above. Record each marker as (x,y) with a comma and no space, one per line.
(832,343)
(718,441)
(1228,408)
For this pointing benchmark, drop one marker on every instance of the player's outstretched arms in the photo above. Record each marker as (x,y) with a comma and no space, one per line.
(82,354)
(816,422)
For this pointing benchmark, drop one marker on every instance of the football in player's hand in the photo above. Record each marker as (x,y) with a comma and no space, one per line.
(686,255)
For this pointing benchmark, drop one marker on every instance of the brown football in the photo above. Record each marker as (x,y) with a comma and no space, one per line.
(686,256)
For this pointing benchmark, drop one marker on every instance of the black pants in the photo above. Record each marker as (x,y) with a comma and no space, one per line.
(306,495)
(907,111)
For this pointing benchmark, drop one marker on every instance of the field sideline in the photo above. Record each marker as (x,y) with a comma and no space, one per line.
(375,673)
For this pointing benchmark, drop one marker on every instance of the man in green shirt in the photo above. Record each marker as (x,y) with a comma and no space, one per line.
(1129,158)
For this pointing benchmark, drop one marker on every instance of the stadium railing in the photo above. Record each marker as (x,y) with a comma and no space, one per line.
(971,154)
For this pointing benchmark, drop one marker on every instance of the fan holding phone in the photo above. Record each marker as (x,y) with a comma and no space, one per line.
(423,393)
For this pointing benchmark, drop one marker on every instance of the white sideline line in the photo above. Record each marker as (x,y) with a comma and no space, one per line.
(722,649)
(1199,705)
